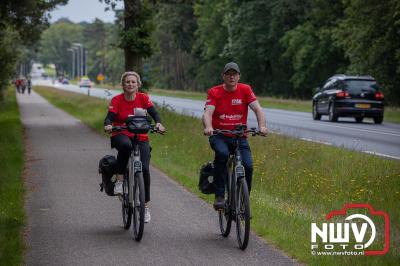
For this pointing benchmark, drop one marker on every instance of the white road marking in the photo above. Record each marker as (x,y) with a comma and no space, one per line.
(317,141)
(382,155)
(333,125)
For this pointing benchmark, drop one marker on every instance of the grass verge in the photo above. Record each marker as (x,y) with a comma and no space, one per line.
(392,114)
(12,215)
(295,182)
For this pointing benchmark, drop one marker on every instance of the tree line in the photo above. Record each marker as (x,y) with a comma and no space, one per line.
(284,48)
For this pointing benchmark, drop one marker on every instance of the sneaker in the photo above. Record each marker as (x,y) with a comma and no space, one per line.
(219,202)
(147,216)
(118,188)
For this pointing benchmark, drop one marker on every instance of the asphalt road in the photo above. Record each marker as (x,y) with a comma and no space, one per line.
(382,140)
(69,222)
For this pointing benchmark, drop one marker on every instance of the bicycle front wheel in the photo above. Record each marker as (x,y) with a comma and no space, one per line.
(225,218)
(242,214)
(138,206)
(126,207)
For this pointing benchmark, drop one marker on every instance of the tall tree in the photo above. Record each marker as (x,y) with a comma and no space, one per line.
(29,17)
(136,31)
(172,64)
(21,23)
(311,47)
(369,33)
(257,28)
(211,39)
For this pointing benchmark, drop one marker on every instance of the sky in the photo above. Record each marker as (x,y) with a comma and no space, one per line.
(83,10)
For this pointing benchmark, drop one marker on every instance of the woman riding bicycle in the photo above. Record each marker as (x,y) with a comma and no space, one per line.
(120,108)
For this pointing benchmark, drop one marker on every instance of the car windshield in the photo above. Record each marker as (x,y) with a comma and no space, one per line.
(360,86)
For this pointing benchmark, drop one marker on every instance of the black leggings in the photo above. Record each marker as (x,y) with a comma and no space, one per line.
(124,146)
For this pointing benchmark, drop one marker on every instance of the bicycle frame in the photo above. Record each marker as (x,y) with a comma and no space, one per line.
(133,206)
(237,205)
(235,172)
(135,166)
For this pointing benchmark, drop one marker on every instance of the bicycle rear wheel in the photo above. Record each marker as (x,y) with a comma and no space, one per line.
(126,207)
(242,214)
(138,206)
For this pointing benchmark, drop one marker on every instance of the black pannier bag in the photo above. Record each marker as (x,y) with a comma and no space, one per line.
(206,180)
(107,168)
(138,124)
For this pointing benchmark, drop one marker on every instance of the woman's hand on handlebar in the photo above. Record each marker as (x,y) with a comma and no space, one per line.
(208,131)
(108,128)
(160,128)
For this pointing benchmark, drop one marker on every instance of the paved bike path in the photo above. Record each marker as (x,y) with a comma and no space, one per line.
(69,222)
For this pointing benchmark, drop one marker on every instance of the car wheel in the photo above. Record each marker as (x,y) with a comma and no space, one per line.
(359,119)
(315,114)
(378,120)
(332,116)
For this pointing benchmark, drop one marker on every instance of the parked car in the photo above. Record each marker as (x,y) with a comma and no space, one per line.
(85,82)
(351,96)
(65,81)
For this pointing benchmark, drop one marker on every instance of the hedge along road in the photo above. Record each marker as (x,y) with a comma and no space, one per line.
(71,223)
(382,140)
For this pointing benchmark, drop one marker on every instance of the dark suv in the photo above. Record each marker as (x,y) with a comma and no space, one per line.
(354,96)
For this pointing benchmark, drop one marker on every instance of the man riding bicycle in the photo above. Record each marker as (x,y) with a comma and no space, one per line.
(226,107)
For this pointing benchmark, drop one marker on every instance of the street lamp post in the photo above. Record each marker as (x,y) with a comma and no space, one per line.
(72,63)
(76,63)
(79,45)
(85,62)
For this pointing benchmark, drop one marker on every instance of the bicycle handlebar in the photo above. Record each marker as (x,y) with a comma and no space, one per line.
(238,133)
(153,129)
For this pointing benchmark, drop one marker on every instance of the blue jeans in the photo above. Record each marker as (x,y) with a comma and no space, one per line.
(222,146)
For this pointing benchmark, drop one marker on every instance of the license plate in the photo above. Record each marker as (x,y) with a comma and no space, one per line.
(363,105)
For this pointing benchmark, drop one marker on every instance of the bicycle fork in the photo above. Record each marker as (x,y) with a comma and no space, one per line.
(134,167)
(238,174)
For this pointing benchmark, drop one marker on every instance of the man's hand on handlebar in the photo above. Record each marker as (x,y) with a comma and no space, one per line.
(208,131)
(263,131)
(108,128)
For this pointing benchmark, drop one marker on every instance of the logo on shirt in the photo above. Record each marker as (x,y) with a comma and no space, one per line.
(230,117)
(236,101)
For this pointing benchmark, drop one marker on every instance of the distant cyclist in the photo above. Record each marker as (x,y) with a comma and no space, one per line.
(29,84)
(226,107)
(120,107)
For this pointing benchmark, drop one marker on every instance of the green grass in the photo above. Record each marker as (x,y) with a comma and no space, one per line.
(295,182)
(12,215)
(392,114)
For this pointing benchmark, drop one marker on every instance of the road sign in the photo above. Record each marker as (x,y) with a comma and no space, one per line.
(100,77)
